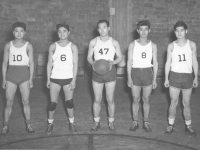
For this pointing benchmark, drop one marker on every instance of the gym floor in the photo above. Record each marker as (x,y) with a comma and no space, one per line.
(61,137)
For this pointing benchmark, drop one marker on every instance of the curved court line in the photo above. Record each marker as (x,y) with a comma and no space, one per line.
(92,135)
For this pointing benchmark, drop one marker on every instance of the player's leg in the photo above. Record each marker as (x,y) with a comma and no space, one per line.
(54,92)
(110,89)
(187,111)
(98,89)
(70,106)
(10,93)
(135,106)
(25,92)
(146,106)
(174,96)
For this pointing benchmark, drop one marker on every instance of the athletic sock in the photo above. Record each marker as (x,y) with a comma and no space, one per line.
(71,120)
(188,122)
(97,119)
(171,121)
(111,119)
(50,121)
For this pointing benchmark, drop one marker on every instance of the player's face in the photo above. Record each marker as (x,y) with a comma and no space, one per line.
(143,31)
(180,32)
(103,29)
(19,32)
(63,33)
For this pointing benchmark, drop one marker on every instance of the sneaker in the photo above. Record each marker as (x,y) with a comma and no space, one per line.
(49,128)
(95,126)
(189,130)
(111,127)
(29,129)
(134,126)
(146,127)
(72,128)
(169,129)
(5,130)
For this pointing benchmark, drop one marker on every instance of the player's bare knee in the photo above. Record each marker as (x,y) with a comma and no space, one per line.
(52,106)
(110,101)
(136,99)
(25,103)
(98,99)
(69,104)
(145,100)
(9,103)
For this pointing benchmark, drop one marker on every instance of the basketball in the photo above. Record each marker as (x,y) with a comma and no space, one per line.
(101,66)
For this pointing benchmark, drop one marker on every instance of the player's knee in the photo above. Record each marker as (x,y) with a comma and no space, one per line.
(98,99)
(9,103)
(69,104)
(110,100)
(136,99)
(26,103)
(145,99)
(52,106)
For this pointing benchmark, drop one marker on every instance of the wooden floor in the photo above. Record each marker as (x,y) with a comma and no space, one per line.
(102,139)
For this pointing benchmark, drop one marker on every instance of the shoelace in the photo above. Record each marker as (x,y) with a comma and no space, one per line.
(190,128)
(146,124)
(169,128)
(135,123)
(30,128)
(5,128)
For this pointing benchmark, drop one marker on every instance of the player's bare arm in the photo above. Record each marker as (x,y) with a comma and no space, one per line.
(91,52)
(75,65)
(194,63)
(155,64)
(117,51)
(50,62)
(168,63)
(5,63)
(129,63)
(31,64)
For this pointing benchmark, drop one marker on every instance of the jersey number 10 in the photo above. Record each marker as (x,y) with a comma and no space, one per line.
(17,58)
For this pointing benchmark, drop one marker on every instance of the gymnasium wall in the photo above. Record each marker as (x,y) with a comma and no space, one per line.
(41,17)
(163,14)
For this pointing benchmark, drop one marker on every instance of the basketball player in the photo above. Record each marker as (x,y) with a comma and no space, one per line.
(140,74)
(179,67)
(104,47)
(17,70)
(62,70)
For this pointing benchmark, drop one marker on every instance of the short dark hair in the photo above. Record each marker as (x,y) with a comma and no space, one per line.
(143,23)
(102,21)
(64,24)
(19,24)
(180,24)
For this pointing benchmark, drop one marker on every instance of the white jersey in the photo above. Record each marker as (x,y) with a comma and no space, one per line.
(142,55)
(18,56)
(104,50)
(182,58)
(62,62)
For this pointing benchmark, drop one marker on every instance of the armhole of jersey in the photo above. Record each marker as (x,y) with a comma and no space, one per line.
(27,49)
(96,42)
(172,47)
(190,45)
(133,45)
(55,48)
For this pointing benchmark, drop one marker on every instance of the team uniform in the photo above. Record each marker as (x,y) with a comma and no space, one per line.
(104,50)
(181,76)
(141,72)
(62,72)
(18,70)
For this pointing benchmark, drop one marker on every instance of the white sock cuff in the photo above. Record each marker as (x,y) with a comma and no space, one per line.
(50,120)
(96,119)
(111,119)
(188,122)
(71,120)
